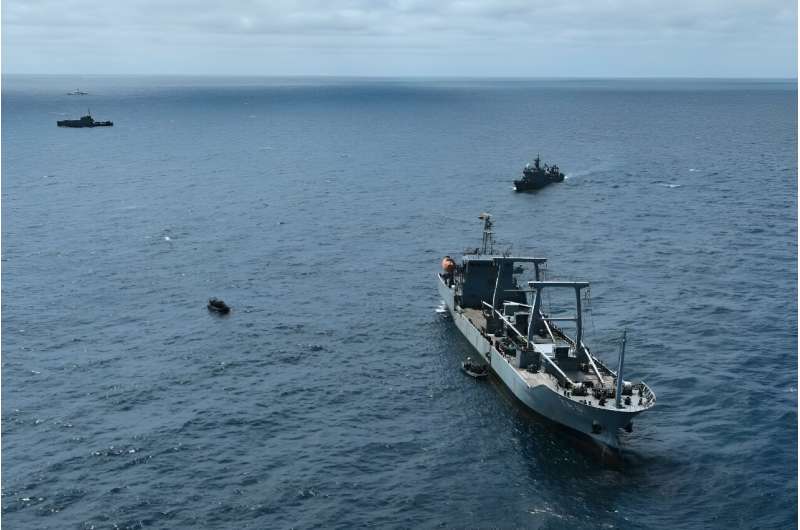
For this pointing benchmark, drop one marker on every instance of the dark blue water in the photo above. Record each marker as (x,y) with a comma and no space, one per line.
(332,396)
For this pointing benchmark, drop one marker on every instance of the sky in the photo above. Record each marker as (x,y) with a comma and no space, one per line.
(426,38)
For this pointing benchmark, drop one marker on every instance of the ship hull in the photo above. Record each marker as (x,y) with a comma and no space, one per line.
(76,124)
(527,185)
(535,183)
(541,399)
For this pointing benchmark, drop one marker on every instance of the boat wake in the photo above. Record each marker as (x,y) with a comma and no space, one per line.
(573,175)
(441,309)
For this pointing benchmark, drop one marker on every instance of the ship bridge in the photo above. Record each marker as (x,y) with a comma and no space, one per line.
(490,278)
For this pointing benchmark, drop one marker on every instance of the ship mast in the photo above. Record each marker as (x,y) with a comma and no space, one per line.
(487,246)
(619,369)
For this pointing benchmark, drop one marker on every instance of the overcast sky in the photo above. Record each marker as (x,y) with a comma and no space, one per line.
(525,38)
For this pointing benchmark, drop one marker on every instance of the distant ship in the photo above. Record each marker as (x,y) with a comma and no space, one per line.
(537,177)
(85,121)
(551,373)
(77,92)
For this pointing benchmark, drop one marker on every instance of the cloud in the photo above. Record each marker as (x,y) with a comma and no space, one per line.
(36,29)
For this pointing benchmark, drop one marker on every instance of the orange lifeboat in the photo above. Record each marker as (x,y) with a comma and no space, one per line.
(448,265)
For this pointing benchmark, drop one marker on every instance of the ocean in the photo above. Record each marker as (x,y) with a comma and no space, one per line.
(331,397)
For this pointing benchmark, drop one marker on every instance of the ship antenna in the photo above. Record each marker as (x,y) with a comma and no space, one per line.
(487,246)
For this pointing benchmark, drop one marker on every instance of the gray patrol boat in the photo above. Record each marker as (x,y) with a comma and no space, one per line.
(551,373)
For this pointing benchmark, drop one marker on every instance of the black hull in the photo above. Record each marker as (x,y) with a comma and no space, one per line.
(523,185)
(79,125)
(535,183)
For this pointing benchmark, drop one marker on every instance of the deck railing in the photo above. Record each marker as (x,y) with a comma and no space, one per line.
(646,393)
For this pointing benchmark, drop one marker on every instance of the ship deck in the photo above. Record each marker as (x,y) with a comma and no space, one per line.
(544,345)
(475,316)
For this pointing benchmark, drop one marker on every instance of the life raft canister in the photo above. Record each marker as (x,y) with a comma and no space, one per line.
(448,265)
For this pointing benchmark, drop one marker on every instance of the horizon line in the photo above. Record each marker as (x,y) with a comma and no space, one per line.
(400,76)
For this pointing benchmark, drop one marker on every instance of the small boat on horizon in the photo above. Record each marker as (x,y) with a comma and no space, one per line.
(77,92)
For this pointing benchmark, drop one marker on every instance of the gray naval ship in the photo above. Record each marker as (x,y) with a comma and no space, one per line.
(537,177)
(551,373)
(85,121)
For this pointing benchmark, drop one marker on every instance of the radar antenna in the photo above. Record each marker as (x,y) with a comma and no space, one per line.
(487,246)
